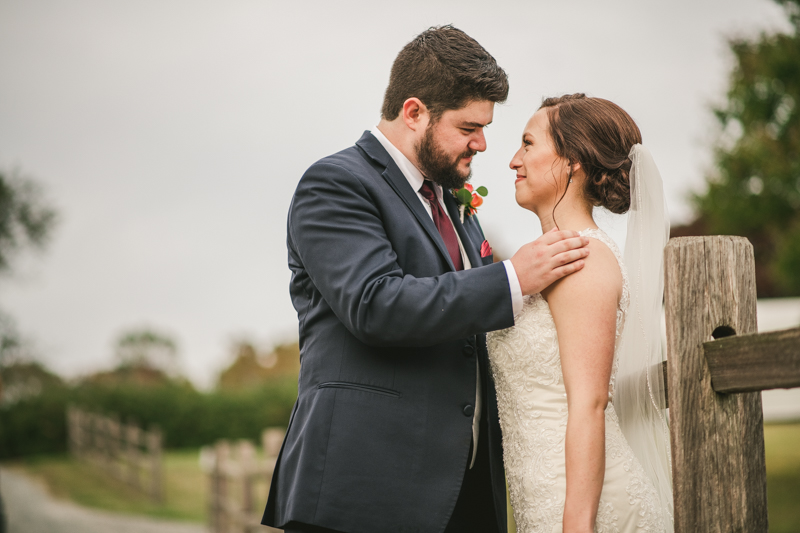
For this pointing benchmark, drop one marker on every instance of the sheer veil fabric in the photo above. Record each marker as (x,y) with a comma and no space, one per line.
(638,397)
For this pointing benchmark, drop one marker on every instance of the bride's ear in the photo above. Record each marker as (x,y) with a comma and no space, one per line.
(573,170)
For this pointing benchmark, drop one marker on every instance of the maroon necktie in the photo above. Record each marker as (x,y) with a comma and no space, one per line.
(443,224)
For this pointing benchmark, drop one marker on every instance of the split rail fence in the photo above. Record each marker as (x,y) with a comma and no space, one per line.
(124,451)
(717,366)
(239,479)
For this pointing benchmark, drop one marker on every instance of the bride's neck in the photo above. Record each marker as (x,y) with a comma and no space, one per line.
(567,217)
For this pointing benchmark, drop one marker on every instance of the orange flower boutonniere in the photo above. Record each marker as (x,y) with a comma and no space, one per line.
(469,199)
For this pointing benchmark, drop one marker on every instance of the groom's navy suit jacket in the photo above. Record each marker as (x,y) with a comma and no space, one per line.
(380,435)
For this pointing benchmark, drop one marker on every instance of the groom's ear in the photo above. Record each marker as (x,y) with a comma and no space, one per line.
(415,114)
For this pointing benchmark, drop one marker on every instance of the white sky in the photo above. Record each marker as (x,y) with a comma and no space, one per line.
(171,135)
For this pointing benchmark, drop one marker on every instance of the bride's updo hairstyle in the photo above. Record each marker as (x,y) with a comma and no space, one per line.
(598,134)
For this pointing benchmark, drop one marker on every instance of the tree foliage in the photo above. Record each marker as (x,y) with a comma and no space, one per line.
(251,368)
(26,219)
(755,189)
(147,348)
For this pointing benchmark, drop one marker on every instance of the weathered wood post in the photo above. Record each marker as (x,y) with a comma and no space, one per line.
(719,474)
(248,471)
(72,431)
(271,441)
(221,465)
(154,441)
(133,438)
(98,443)
(116,467)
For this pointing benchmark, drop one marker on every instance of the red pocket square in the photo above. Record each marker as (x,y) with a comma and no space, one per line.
(486,250)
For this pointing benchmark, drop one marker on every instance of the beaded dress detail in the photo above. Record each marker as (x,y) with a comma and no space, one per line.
(532,402)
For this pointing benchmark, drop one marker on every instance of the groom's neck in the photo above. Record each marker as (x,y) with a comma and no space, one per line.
(401,137)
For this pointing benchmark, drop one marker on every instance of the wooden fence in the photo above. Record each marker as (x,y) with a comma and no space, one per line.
(123,450)
(239,480)
(716,367)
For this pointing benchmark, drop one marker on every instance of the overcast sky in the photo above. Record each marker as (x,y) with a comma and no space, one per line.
(171,135)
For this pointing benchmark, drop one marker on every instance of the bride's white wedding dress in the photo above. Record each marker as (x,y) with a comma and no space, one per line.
(532,402)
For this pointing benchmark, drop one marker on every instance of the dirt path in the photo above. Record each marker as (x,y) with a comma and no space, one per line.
(30,509)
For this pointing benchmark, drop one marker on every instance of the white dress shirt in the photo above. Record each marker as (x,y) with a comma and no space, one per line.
(416,179)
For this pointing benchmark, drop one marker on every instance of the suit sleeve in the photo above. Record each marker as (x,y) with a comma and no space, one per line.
(337,232)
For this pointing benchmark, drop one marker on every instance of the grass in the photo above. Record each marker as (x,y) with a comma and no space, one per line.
(782,443)
(186,486)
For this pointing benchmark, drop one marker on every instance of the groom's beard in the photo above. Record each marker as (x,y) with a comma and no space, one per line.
(436,166)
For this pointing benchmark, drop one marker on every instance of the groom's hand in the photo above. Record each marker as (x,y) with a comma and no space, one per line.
(550,257)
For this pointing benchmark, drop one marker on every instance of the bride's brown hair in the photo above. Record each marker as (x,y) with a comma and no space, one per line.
(598,134)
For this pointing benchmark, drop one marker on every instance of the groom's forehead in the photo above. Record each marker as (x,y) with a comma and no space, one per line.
(476,114)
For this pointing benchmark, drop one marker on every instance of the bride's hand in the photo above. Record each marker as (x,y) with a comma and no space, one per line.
(549,258)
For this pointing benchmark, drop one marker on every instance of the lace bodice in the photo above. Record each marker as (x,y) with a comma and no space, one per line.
(532,403)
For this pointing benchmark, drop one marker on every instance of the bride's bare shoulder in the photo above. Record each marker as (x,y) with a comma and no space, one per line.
(601,276)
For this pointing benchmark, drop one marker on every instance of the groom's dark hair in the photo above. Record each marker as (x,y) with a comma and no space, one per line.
(446,69)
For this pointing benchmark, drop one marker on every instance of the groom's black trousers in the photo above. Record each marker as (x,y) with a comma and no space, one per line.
(474,511)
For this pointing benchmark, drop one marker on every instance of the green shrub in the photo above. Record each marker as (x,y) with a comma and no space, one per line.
(35,425)
(188,418)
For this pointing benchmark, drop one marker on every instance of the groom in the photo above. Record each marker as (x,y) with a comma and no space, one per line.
(395,428)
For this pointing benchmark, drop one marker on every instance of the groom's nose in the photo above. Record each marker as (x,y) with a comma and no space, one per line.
(478,141)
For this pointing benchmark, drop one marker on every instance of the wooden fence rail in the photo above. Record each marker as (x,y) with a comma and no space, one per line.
(124,451)
(239,479)
(716,367)
(755,362)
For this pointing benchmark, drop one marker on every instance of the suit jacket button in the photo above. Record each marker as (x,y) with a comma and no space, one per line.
(468,350)
(469,410)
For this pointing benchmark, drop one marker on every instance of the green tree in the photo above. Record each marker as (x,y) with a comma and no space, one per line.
(755,188)
(254,368)
(26,219)
(147,348)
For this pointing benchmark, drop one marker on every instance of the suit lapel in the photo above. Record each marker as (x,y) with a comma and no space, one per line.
(399,183)
(455,216)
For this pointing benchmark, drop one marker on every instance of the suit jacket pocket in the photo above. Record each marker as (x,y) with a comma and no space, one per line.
(359,387)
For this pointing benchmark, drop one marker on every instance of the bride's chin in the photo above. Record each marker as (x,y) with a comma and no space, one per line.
(525,205)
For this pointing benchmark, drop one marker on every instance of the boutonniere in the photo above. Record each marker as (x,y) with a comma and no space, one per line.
(469,199)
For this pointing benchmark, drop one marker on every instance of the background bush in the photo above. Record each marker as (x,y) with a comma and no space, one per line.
(187,417)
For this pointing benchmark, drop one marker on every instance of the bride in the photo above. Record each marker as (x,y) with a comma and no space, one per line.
(585,442)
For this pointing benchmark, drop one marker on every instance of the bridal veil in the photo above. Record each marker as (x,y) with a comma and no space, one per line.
(639,396)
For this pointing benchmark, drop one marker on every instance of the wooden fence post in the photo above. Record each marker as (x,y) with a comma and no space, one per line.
(248,470)
(154,439)
(114,429)
(132,433)
(221,465)
(234,482)
(117,449)
(719,475)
